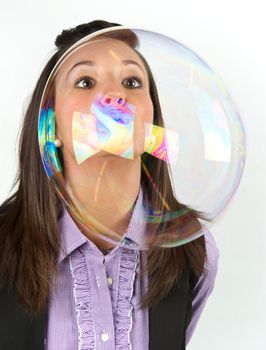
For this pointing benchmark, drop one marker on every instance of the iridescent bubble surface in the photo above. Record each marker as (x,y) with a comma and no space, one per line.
(191,144)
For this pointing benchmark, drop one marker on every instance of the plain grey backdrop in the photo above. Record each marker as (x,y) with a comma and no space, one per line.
(228,35)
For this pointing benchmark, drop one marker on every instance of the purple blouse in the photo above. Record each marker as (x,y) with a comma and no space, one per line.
(95,301)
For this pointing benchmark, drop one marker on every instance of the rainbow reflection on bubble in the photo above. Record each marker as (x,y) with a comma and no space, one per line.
(161,143)
(46,136)
(110,127)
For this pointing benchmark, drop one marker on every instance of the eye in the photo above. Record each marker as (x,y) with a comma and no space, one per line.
(85,82)
(133,82)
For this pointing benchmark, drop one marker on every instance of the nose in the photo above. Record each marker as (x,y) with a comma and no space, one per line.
(117,100)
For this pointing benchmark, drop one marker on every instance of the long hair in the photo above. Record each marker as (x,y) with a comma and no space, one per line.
(29,230)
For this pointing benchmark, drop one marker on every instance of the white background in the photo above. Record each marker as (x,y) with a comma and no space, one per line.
(228,35)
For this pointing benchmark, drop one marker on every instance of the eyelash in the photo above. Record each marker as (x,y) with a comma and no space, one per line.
(90,79)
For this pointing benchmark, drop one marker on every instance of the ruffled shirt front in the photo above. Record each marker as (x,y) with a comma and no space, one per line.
(91,306)
(95,301)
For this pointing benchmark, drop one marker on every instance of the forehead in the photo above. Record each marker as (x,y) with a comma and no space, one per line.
(100,50)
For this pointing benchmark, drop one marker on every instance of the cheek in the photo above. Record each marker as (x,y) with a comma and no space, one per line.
(63,121)
(145,111)
(144,115)
(64,109)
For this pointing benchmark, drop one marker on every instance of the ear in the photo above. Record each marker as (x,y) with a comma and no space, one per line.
(57,134)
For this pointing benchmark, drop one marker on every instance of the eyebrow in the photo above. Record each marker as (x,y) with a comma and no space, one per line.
(93,63)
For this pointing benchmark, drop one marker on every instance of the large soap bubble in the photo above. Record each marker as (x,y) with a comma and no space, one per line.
(175,120)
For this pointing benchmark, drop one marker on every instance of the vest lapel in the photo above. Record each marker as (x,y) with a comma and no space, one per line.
(169,319)
(17,329)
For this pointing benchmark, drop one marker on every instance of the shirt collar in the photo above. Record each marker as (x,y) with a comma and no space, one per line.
(72,237)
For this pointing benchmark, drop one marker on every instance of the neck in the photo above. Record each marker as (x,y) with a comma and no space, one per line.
(106,187)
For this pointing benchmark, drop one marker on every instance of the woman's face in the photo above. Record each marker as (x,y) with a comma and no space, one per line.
(108,67)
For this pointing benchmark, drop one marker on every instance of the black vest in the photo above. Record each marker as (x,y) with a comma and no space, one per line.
(168,321)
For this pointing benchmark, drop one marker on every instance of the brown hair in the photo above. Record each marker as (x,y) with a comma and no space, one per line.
(29,230)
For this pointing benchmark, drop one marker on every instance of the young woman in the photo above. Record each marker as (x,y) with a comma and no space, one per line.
(63,288)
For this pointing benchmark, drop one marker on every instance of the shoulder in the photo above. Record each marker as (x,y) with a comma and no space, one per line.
(207,279)
(213,253)
(205,284)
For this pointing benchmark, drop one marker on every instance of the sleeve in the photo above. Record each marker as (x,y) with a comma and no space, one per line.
(205,284)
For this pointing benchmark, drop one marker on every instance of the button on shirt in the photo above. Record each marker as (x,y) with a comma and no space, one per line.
(94,303)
